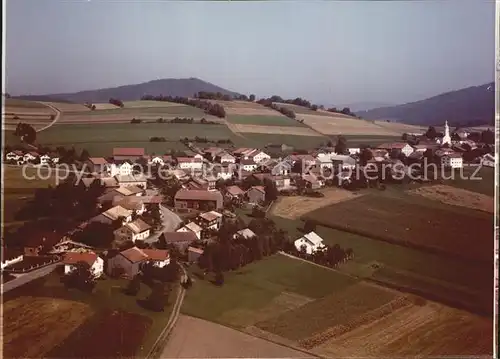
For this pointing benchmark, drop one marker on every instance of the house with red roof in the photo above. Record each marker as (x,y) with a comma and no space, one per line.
(131,260)
(71,260)
(127,153)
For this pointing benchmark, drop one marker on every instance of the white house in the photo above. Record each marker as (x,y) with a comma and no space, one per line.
(488,160)
(324,161)
(257,156)
(120,169)
(346,162)
(131,180)
(45,159)
(452,160)
(191,227)
(193,163)
(95,262)
(30,156)
(210,220)
(354,150)
(311,242)
(225,157)
(14,156)
(246,233)
(118,211)
(248,165)
(133,231)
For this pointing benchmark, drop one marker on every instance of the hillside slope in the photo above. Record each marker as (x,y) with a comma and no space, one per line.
(166,87)
(470,106)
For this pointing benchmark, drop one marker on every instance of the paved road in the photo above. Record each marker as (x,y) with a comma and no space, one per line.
(170,223)
(28,277)
(56,118)
(158,347)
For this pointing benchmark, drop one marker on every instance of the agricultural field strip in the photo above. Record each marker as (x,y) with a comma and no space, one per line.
(281,130)
(401,221)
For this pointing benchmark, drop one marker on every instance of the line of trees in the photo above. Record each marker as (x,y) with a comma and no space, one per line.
(198,139)
(208,107)
(26,132)
(285,111)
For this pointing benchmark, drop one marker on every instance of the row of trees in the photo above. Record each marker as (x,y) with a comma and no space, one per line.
(213,109)
(198,139)
(285,111)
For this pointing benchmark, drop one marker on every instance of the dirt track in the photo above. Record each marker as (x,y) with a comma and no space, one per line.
(457,197)
(197,338)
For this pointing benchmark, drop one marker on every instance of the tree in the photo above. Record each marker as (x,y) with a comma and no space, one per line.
(84,156)
(405,137)
(309,226)
(252,98)
(271,192)
(81,277)
(329,143)
(431,133)
(134,286)
(488,137)
(365,156)
(158,298)
(341,146)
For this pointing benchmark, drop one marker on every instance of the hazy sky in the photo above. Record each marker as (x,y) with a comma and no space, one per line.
(326,51)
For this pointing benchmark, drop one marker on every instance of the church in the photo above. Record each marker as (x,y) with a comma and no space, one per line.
(446,139)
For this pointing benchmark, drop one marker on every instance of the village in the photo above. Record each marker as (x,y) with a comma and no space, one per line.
(183,202)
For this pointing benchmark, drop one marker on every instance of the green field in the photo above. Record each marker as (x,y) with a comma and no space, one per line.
(484,186)
(373,140)
(137,111)
(255,291)
(12,102)
(263,120)
(298,142)
(100,139)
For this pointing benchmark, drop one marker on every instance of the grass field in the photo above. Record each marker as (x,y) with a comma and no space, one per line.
(263,120)
(261,290)
(485,185)
(26,323)
(298,142)
(100,140)
(413,222)
(33,113)
(18,190)
(118,328)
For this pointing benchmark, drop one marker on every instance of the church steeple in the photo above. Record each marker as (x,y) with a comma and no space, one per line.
(446,137)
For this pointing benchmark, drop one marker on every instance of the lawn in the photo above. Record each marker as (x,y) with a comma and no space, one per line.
(263,120)
(119,326)
(482,182)
(100,139)
(260,290)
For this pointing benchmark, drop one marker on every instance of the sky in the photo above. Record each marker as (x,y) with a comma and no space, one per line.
(330,52)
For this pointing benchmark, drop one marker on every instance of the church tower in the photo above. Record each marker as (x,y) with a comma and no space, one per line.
(446,137)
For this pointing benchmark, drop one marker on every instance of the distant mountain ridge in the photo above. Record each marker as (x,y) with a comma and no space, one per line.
(470,106)
(362,106)
(166,87)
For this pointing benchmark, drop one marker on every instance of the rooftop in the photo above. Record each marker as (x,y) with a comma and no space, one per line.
(138,226)
(201,195)
(116,212)
(75,257)
(173,237)
(210,216)
(98,161)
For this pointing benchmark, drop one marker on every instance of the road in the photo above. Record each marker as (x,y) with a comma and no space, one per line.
(159,345)
(28,277)
(170,222)
(56,118)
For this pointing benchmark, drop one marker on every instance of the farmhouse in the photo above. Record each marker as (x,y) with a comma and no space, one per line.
(245,233)
(257,156)
(129,191)
(198,183)
(181,240)
(224,171)
(45,159)
(160,160)
(190,163)
(234,193)
(256,194)
(128,154)
(132,259)
(313,181)
(212,152)
(452,160)
(281,168)
(198,199)
(131,180)
(354,150)
(248,165)
(344,161)
(118,212)
(98,165)
(193,228)
(194,254)
(71,260)
(210,220)
(402,147)
(324,161)
(133,231)
(309,243)
(121,168)
(14,156)
(31,156)
(488,160)
(225,157)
